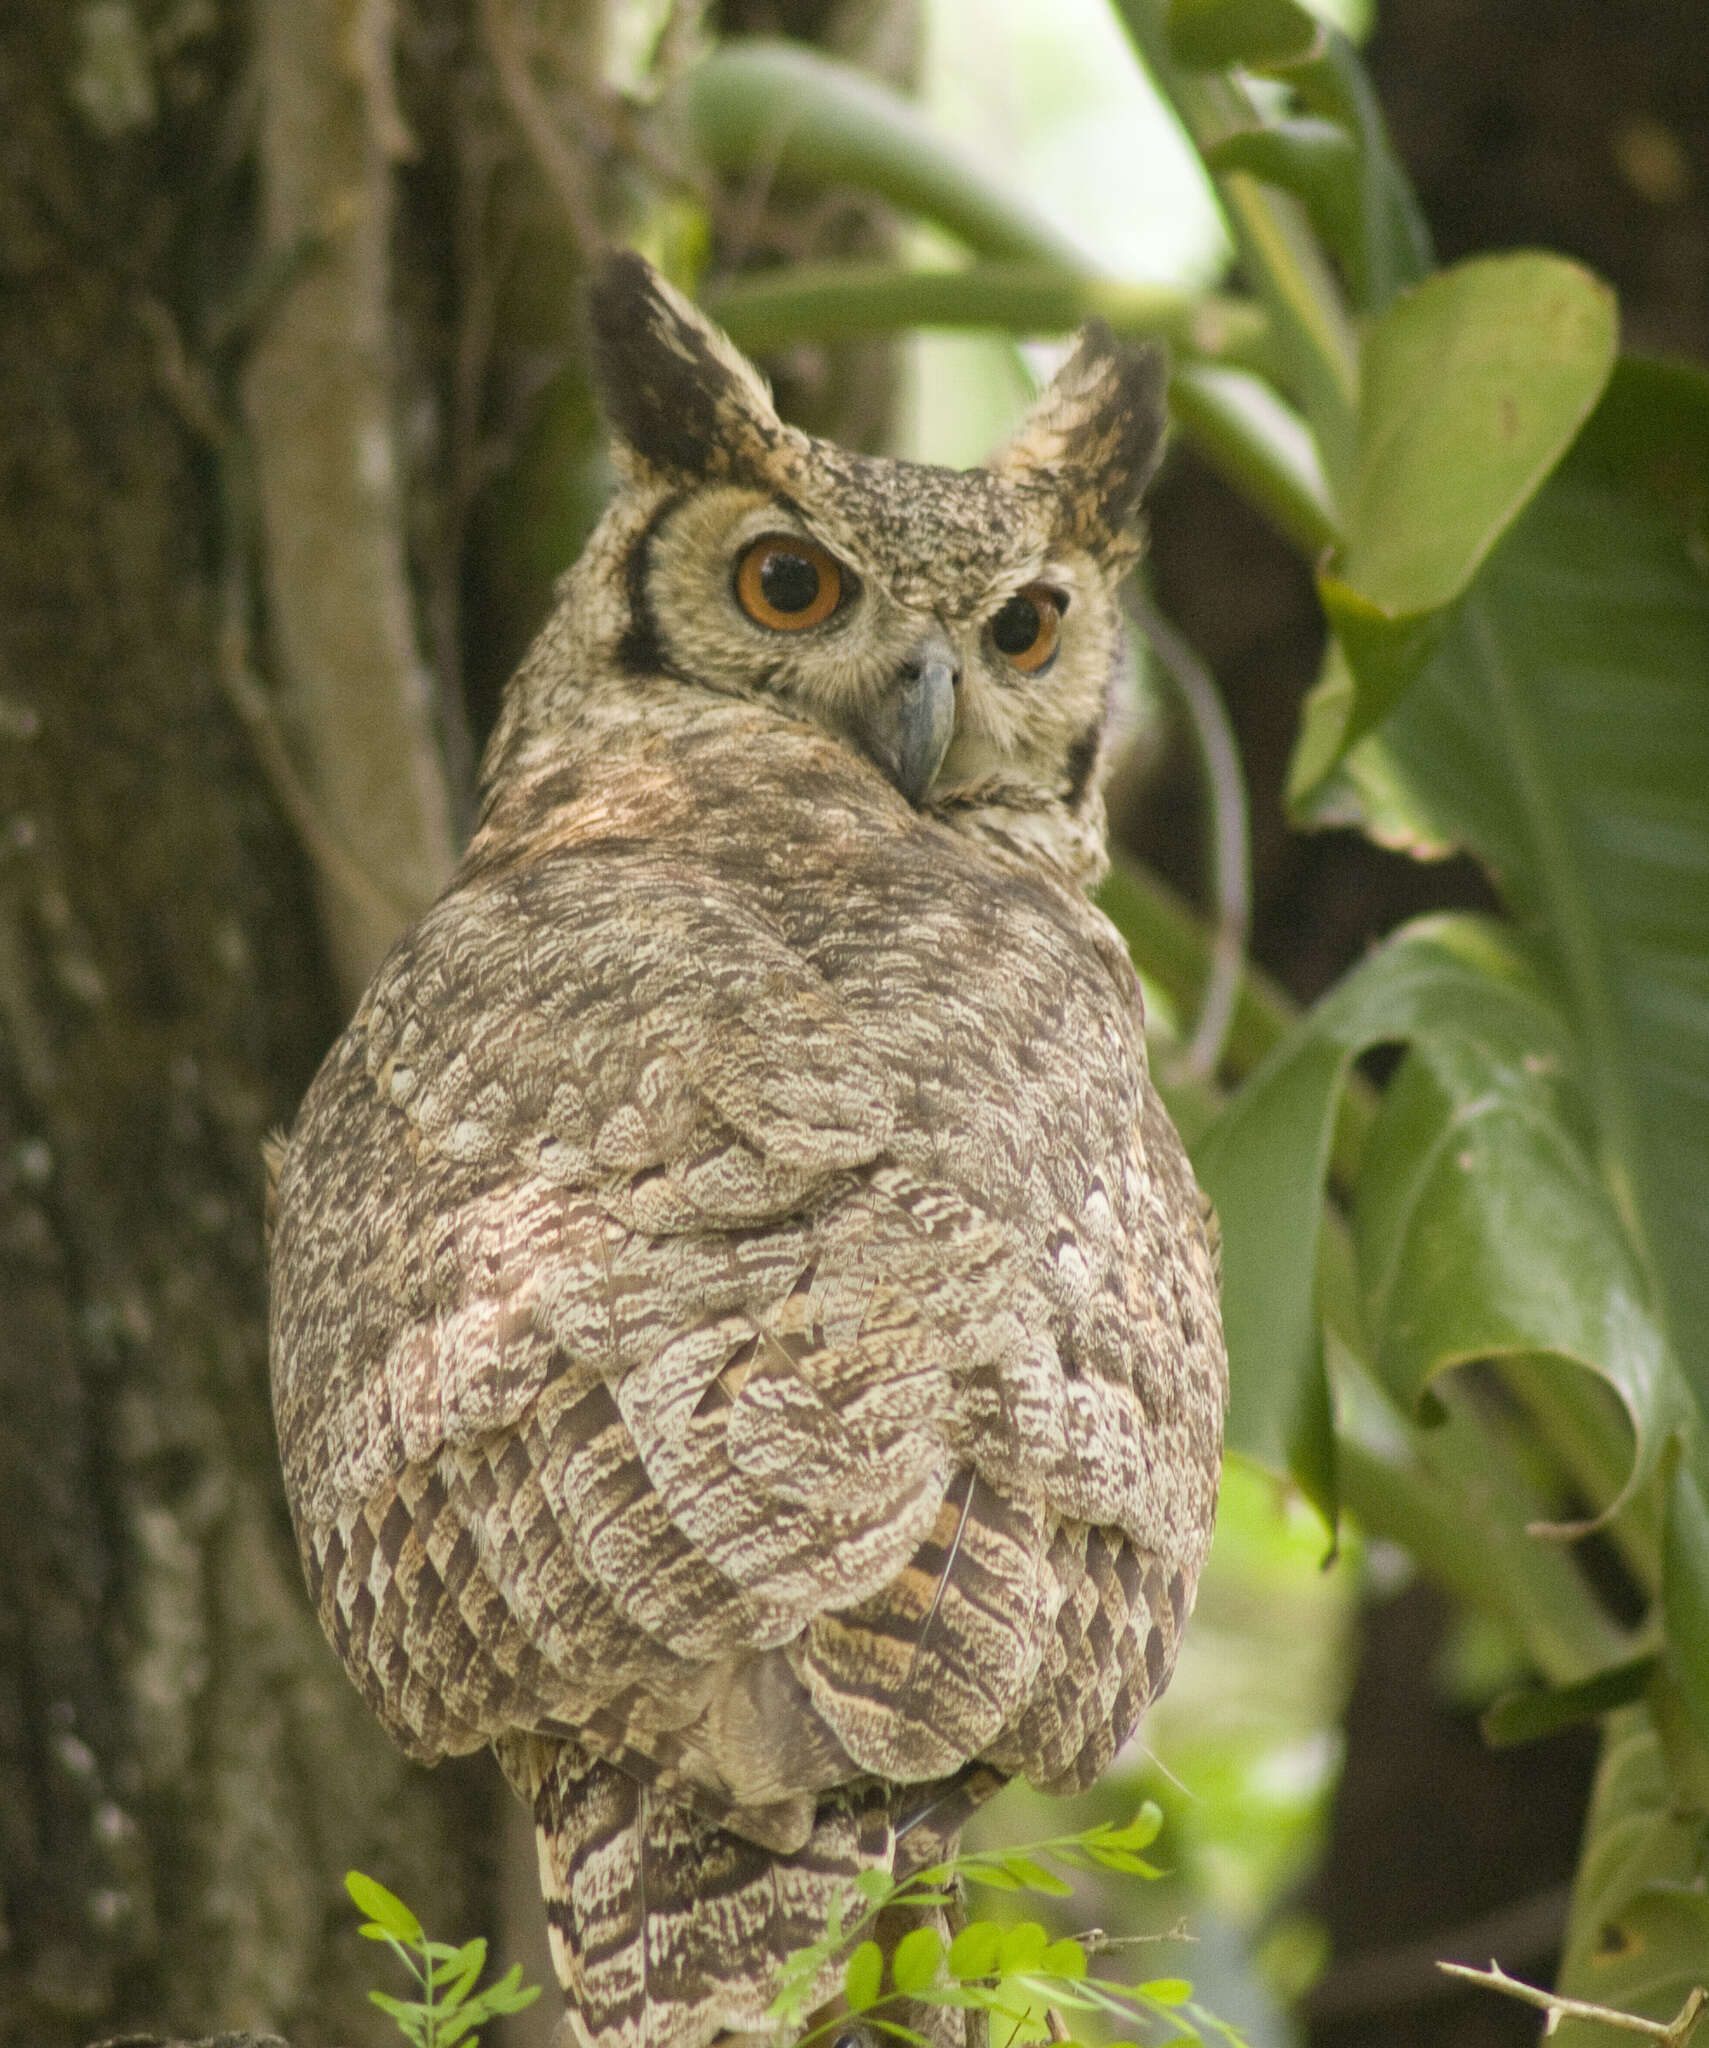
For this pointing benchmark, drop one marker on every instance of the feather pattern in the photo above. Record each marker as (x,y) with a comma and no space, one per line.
(745,1340)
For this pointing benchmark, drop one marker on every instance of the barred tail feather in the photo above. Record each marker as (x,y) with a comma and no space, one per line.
(666,1929)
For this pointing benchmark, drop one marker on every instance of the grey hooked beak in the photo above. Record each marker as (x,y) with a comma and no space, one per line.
(910,728)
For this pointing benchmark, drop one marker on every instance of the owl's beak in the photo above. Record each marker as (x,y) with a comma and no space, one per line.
(910,729)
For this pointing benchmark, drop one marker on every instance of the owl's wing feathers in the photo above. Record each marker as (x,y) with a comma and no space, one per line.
(663,1404)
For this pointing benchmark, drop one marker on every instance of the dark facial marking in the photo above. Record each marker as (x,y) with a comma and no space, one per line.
(641,651)
(660,379)
(1082,759)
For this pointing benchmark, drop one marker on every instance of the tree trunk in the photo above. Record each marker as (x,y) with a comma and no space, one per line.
(185,1773)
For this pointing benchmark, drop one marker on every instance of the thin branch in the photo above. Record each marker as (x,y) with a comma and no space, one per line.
(328,482)
(1231,885)
(1675,2032)
(1384,1980)
(1096,1942)
(566,169)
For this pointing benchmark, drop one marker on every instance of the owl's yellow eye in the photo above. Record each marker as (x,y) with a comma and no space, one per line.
(1026,629)
(788,583)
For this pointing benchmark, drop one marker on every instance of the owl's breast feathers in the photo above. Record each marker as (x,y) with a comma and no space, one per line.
(739,1303)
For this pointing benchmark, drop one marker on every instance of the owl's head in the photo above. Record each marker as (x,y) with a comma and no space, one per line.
(959,628)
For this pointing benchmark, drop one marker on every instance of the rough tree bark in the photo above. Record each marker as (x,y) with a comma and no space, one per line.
(184,1772)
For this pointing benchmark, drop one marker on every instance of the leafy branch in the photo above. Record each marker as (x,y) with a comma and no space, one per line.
(449,2008)
(1014,1972)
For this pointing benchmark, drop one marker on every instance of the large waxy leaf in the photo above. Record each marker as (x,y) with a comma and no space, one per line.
(1483,1230)
(1562,735)
(1473,386)
(1482,1226)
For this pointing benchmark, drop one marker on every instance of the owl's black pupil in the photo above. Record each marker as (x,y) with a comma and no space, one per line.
(789,583)
(1017,626)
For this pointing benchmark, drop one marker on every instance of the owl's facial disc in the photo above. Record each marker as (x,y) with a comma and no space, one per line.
(788,583)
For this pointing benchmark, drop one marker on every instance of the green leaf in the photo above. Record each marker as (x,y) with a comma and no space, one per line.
(1391,247)
(1165,1990)
(1264,1163)
(1033,1877)
(1528,1716)
(914,1966)
(385,1909)
(1065,1958)
(1561,734)
(1211,35)
(974,1951)
(454,1978)
(1124,1860)
(1638,1930)
(1482,1225)
(509,1993)
(1483,1229)
(1138,1833)
(1022,1947)
(410,2020)
(863,1974)
(1473,386)
(1685,1592)
(875,1886)
(1316,160)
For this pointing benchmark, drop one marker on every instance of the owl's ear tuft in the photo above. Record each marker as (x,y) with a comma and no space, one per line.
(1098,427)
(677,391)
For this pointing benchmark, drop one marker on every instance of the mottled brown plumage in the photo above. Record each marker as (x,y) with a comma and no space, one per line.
(745,1339)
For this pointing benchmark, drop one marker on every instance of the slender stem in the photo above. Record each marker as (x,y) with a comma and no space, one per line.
(1676,2032)
(1262,447)
(1230,850)
(765,309)
(803,117)
(1284,264)
(1168,942)
(814,120)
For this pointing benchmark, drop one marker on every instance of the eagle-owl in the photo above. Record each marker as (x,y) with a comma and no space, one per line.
(744,1335)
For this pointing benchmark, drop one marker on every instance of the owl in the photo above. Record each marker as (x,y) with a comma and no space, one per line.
(744,1330)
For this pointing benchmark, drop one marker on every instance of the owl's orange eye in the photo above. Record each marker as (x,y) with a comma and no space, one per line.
(1026,629)
(788,583)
